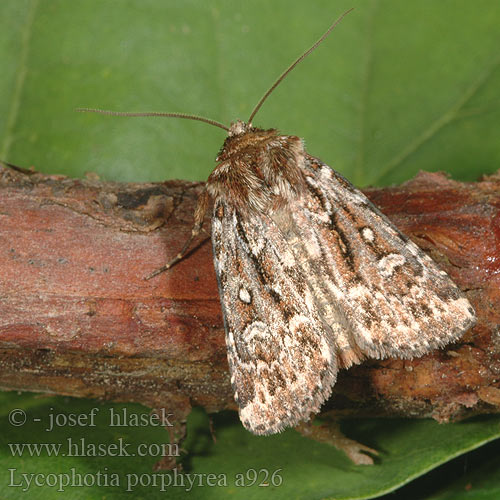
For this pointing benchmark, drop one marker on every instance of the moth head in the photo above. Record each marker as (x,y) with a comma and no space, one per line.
(238,127)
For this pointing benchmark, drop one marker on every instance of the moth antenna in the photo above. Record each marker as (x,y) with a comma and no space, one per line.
(297,61)
(155,113)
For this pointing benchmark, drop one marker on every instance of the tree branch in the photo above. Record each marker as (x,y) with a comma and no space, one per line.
(77,317)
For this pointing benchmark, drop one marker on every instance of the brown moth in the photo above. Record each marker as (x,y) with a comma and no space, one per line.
(312,276)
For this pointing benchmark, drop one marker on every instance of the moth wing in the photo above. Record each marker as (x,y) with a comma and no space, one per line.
(390,298)
(282,364)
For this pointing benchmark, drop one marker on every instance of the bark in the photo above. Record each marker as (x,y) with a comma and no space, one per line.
(77,317)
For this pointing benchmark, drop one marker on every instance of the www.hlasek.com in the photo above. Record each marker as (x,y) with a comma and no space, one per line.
(72,479)
(83,448)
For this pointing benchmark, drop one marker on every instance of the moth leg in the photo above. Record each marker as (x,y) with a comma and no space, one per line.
(199,215)
(330,433)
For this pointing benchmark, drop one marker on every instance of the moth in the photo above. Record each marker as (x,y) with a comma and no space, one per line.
(312,276)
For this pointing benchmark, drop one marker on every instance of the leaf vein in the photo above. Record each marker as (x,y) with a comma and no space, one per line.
(453,113)
(21,77)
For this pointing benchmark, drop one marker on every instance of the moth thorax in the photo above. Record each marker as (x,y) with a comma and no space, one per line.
(238,127)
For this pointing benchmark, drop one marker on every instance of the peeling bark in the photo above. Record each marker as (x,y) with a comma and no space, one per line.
(77,317)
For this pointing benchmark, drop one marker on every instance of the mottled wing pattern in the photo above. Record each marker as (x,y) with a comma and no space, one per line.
(282,363)
(389,297)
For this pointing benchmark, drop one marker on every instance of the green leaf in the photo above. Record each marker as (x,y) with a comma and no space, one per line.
(240,462)
(473,476)
(397,87)
(470,476)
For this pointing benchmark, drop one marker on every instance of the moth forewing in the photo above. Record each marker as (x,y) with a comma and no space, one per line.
(391,297)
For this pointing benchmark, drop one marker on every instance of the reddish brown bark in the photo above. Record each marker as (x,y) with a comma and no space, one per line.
(78,318)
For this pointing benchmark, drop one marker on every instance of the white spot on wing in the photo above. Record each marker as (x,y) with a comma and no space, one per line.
(367,234)
(387,264)
(245,296)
